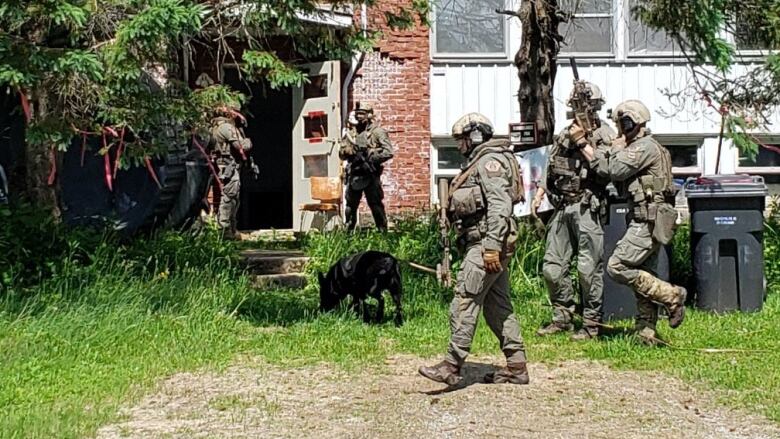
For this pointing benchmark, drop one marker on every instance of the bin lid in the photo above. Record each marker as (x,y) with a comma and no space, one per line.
(733,185)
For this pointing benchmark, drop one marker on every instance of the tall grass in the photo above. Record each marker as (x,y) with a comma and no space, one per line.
(94,323)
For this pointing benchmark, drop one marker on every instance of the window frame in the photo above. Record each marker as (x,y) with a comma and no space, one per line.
(674,52)
(614,49)
(759,170)
(670,142)
(436,55)
(437,143)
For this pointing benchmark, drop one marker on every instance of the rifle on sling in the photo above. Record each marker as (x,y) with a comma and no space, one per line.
(582,111)
(443,269)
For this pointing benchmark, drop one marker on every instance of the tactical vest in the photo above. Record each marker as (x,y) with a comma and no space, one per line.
(220,143)
(651,192)
(467,204)
(496,146)
(364,142)
(569,173)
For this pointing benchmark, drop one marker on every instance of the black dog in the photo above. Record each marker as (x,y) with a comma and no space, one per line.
(362,275)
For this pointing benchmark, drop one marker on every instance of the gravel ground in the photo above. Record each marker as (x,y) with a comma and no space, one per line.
(564,400)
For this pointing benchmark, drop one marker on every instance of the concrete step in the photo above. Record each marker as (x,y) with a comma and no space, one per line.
(268,281)
(274,261)
(283,235)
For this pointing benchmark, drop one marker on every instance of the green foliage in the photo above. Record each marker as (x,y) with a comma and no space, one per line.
(88,64)
(111,320)
(35,251)
(266,64)
(772,245)
(747,101)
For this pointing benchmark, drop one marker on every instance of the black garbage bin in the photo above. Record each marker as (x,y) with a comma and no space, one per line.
(619,300)
(727,225)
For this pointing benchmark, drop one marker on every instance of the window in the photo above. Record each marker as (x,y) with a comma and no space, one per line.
(685,159)
(469,27)
(642,40)
(590,28)
(765,158)
(315,126)
(766,163)
(317,87)
(446,161)
(450,158)
(315,166)
(746,36)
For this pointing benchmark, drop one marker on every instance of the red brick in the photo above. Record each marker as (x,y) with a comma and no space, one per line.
(395,78)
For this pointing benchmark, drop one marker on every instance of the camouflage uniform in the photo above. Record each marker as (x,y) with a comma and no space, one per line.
(643,171)
(365,150)
(231,147)
(480,207)
(578,195)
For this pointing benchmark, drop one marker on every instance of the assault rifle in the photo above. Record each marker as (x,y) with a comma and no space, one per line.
(582,110)
(443,269)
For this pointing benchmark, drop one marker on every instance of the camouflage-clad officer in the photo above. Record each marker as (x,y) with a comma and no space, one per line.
(643,171)
(365,149)
(480,207)
(578,194)
(231,147)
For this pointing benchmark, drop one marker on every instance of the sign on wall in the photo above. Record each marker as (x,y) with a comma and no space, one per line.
(523,135)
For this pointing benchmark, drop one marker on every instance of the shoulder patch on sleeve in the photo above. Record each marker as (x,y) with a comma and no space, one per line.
(493,168)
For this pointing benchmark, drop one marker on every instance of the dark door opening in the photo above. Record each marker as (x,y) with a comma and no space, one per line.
(267,202)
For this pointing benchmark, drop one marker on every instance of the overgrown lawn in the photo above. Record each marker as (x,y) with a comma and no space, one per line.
(110,321)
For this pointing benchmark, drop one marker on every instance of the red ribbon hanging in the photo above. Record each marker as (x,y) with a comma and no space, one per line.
(119,150)
(151,171)
(53,171)
(25,105)
(107,164)
(208,161)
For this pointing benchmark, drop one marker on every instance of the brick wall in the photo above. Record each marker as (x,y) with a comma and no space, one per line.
(395,78)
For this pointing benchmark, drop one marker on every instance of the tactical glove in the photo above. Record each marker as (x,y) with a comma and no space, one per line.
(492,261)
(577,135)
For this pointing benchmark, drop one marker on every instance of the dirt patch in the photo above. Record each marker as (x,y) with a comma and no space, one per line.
(570,399)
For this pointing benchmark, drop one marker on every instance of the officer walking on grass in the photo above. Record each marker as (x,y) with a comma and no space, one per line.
(642,170)
(480,207)
(579,197)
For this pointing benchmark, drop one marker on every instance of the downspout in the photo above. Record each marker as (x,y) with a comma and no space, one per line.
(357,58)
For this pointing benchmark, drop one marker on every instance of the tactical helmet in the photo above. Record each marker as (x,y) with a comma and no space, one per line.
(633,109)
(596,97)
(471,122)
(362,107)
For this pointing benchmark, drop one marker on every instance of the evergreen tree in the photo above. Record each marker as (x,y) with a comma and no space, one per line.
(113,66)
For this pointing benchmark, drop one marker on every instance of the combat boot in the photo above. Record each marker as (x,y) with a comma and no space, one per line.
(677,309)
(443,372)
(513,373)
(585,333)
(554,328)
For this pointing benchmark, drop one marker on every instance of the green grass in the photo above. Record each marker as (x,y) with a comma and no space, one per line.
(98,336)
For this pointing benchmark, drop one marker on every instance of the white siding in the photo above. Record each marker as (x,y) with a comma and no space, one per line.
(491,88)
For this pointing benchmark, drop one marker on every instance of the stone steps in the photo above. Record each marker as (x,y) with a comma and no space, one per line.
(276,268)
(287,280)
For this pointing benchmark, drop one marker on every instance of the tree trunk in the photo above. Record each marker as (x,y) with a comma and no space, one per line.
(536,64)
(39,166)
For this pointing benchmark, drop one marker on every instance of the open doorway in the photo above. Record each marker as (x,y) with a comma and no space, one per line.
(267,202)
